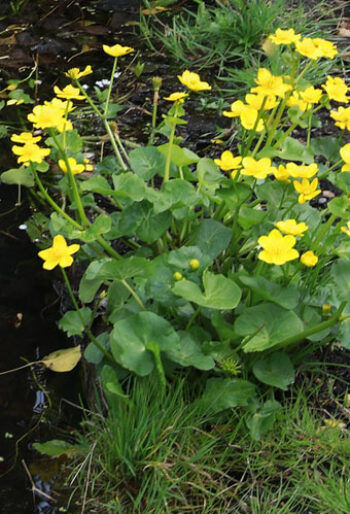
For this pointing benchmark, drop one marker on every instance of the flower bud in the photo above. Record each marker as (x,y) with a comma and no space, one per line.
(194,264)
(177,276)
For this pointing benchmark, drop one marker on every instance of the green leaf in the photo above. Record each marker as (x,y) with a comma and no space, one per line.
(175,194)
(158,286)
(88,289)
(18,176)
(73,142)
(208,174)
(92,353)
(180,258)
(72,323)
(147,161)
(249,217)
(340,273)
(110,269)
(219,292)
(189,353)
(101,225)
(129,185)
(110,382)
(287,297)
(152,226)
(98,185)
(19,94)
(339,206)
(344,329)
(266,325)
(226,393)
(108,166)
(275,369)
(56,448)
(327,146)
(212,237)
(155,350)
(179,156)
(234,196)
(262,421)
(293,150)
(130,336)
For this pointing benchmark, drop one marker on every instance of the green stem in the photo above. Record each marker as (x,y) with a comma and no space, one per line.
(106,124)
(87,330)
(134,294)
(170,146)
(114,67)
(312,330)
(53,204)
(83,219)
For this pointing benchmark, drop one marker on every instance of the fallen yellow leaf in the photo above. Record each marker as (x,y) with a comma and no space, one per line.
(63,360)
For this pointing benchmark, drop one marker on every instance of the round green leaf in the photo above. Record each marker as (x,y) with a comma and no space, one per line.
(276,370)
(131,335)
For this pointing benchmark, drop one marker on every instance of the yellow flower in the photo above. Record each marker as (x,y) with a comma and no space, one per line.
(301,171)
(177,276)
(30,152)
(284,37)
(228,162)
(316,48)
(25,137)
(345,155)
(176,97)
(47,116)
(336,89)
(307,190)
(117,50)
(74,166)
(346,229)
(291,227)
(192,81)
(258,169)
(326,48)
(59,254)
(295,99)
(307,48)
(309,259)
(281,173)
(237,108)
(311,95)
(270,85)
(256,101)
(75,73)
(68,93)
(248,119)
(277,249)
(61,105)
(342,117)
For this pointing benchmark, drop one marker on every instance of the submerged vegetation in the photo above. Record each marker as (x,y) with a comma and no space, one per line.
(206,281)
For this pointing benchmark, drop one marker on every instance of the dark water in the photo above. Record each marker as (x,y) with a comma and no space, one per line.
(29,308)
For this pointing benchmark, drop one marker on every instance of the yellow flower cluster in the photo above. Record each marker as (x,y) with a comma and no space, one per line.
(312,48)
(52,115)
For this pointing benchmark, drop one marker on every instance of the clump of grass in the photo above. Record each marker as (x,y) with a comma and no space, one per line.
(164,454)
(218,34)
